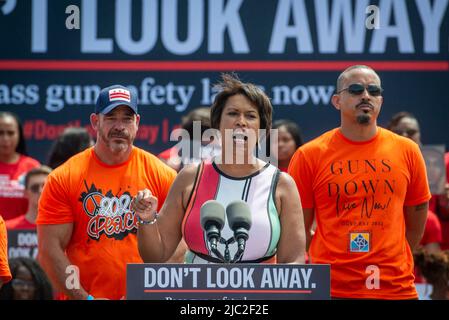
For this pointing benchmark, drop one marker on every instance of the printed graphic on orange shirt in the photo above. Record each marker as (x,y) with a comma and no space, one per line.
(361,176)
(359,242)
(109,214)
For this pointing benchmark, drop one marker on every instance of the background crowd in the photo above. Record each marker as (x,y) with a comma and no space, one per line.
(22,179)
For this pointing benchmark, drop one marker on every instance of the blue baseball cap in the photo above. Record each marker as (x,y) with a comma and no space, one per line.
(114,96)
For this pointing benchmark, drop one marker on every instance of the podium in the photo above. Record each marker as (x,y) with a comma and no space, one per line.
(227,281)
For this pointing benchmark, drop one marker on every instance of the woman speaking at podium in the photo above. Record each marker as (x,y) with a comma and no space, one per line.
(276,231)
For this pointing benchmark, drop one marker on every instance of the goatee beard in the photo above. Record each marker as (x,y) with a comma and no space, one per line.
(363,119)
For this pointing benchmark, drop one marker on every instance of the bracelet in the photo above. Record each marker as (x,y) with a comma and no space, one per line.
(90,297)
(149,221)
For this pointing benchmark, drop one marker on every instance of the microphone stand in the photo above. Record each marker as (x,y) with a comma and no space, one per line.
(218,254)
(239,254)
(240,235)
(214,248)
(227,254)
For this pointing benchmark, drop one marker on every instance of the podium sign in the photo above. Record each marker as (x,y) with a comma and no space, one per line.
(228,282)
(22,243)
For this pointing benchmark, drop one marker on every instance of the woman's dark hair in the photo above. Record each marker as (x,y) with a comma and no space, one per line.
(21,146)
(433,266)
(72,141)
(44,290)
(230,86)
(35,172)
(201,114)
(291,128)
(396,118)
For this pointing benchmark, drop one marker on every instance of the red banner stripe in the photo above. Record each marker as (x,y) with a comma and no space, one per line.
(224,291)
(116,95)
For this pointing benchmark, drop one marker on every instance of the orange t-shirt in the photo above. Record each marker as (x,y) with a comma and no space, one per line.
(358,191)
(95,197)
(5,273)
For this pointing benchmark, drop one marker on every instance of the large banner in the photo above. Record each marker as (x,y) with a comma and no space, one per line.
(57,54)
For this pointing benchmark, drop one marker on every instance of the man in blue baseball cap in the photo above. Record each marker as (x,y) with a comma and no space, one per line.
(114,96)
(85,217)
(116,121)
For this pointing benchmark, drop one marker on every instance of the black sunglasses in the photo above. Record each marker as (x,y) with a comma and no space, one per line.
(35,188)
(357,89)
(408,132)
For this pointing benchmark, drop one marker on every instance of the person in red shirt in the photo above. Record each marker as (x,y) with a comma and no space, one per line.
(432,237)
(34,183)
(442,208)
(406,125)
(191,149)
(289,139)
(14,163)
(435,267)
(71,141)
(430,243)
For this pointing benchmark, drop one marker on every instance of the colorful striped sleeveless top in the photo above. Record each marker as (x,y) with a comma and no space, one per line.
(258,190)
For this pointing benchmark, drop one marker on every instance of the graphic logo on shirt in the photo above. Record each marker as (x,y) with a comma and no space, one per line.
(364,187)
(109,214)
(359,242)
(119,94)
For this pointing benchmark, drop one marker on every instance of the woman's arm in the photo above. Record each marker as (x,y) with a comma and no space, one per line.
(157,242)
(293,240)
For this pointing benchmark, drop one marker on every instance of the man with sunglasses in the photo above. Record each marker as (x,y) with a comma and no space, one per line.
(367,189)
(34,183)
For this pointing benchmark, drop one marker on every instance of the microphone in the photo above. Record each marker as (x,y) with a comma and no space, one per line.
(239,219)
(212,218)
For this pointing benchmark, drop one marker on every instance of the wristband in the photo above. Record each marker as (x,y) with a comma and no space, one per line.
(149,221)
(90,297)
